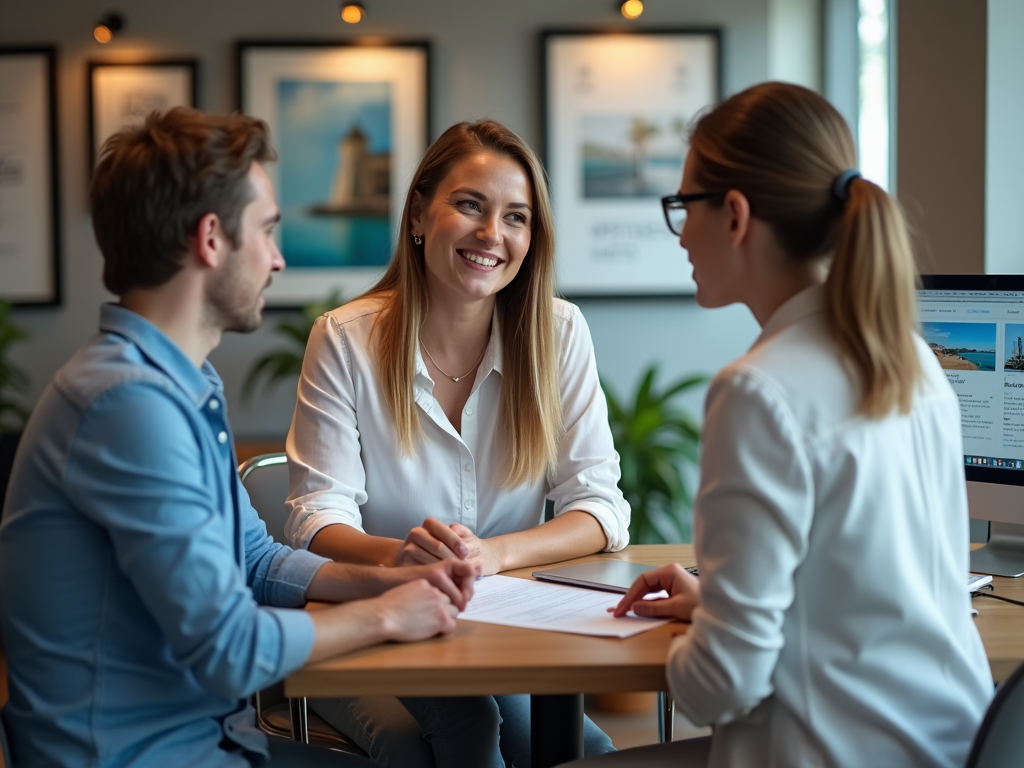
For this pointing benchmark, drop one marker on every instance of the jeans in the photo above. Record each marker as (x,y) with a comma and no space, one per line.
(444,732)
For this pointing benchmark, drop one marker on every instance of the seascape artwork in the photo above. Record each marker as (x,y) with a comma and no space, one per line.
(631,155)
(1014,348)
(962,346)
(334,173)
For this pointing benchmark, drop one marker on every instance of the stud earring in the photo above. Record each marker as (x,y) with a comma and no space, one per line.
(417,239)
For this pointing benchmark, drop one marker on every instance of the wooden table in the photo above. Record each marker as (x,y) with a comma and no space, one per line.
(487,659)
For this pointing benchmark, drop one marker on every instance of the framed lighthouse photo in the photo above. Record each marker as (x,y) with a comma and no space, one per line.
(350,124)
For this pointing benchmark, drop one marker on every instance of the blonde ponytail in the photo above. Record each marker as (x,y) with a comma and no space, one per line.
(785,148)
(871,299)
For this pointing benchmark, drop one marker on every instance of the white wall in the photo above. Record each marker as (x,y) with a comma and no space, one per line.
(1004,149)
(485,64)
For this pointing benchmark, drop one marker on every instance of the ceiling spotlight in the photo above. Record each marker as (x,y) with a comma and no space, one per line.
(107,26)
(632,9)
(352,13)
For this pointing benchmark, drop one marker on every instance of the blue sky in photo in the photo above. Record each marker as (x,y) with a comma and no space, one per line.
(980,336)
(312,117)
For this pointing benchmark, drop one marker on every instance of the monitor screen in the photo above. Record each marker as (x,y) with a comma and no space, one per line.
(975,326)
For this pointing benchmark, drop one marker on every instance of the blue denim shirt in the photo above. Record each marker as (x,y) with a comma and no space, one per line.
(135,576)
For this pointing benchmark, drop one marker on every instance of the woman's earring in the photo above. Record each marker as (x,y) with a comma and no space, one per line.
(417,239)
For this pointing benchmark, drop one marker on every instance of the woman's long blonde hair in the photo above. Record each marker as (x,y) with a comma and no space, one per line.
(530,418)
(784,147)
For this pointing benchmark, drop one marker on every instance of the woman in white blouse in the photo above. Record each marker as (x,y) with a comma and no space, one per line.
(437,412)
(830,621)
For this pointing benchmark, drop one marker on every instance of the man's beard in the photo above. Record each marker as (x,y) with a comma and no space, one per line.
(226,307)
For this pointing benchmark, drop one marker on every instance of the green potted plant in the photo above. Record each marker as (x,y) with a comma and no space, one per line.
(659,446)
(13,387)
(280,365)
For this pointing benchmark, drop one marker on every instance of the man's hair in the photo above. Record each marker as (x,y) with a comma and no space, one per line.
(154,183)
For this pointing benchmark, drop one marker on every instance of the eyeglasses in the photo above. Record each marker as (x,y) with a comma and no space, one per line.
(675,208)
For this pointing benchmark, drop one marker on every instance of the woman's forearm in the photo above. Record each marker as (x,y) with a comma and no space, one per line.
(348,545)
(571,534)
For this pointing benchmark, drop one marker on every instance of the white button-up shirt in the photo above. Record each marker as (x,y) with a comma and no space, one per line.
(835,624)
(346,467)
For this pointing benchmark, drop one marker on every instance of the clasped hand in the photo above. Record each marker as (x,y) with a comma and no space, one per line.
(435,541)
(683,594)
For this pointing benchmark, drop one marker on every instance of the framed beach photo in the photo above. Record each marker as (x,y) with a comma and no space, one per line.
(616,112)
(349,123)
(29,193)
(122,94)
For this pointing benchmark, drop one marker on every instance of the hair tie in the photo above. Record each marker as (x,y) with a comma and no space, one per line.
(841,186)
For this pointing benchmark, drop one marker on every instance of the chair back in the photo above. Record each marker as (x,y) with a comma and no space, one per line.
(999,742)
(265,479)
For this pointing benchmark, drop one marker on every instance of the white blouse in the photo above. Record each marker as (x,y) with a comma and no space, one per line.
(346,467)
(835,625)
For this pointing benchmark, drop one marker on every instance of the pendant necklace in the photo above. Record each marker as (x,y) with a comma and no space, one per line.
(456,379)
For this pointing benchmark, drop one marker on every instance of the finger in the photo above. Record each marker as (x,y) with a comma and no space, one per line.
(428,542)
(654,608)
(648,581)
(461,531)
(452,594)
(446,536)
(464,575)
(414,555)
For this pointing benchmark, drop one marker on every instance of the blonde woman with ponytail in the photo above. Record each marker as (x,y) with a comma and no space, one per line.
(436,413)
(830,620)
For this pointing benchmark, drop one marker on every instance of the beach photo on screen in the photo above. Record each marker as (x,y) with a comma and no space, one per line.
(1014,347)
(335,173)
(962,346)
(631,155)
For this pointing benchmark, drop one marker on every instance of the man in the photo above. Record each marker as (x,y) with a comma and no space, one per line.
(136,580)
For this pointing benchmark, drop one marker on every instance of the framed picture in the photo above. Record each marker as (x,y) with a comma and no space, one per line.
(123,94)
(29,194)
(349,123)
(616,111)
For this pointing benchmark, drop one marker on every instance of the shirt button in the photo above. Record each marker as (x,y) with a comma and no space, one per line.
(469,411)
(469,467)
(222,437)
(214,405)
(469,505)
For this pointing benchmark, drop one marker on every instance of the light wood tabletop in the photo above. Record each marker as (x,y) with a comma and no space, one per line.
(481,659)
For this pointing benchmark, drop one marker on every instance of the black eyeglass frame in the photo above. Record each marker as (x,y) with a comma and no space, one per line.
(675,202)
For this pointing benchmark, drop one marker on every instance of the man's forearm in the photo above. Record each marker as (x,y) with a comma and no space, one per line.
(343,582)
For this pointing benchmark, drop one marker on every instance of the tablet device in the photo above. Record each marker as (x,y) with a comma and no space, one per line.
(610,575)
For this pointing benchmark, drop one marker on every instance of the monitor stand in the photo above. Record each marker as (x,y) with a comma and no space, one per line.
(1004,553)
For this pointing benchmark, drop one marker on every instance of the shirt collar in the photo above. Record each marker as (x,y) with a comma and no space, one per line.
(809,301)
(162,353)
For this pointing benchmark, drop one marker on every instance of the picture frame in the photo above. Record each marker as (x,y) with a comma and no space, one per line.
(123,93)
(30,236)
(350,123)
(616,109)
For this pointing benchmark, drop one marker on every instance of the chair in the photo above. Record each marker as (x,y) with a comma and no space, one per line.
(265,479)
(999,742)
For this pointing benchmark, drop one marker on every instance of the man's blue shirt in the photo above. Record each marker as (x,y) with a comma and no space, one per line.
(135,576)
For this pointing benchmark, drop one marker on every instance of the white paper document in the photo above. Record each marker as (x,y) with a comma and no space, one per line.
(536,605)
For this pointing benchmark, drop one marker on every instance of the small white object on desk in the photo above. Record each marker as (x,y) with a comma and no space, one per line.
(533,605)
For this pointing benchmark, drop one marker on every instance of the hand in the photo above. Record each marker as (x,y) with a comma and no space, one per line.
(429,543)
(480,552)
(415,611)
(683,594)
(453,578)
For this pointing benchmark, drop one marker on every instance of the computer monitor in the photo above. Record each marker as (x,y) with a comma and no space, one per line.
(975,326)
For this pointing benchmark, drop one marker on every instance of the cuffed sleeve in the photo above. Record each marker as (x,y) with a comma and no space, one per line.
(588,474)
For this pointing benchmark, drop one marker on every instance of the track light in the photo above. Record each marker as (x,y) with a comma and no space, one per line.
(106,27)
(632,9)
(352,13)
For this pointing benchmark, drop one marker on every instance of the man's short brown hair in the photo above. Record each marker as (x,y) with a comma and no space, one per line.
(156,181)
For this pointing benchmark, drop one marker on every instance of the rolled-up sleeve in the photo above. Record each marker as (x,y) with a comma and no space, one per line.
(752,518)
(328,480)
(175,546)
(588,474)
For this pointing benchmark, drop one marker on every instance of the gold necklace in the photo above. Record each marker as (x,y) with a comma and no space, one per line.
(442,370)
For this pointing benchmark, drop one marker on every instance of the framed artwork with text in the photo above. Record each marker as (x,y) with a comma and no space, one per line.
(349,123)
(29,193)
(617,108)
